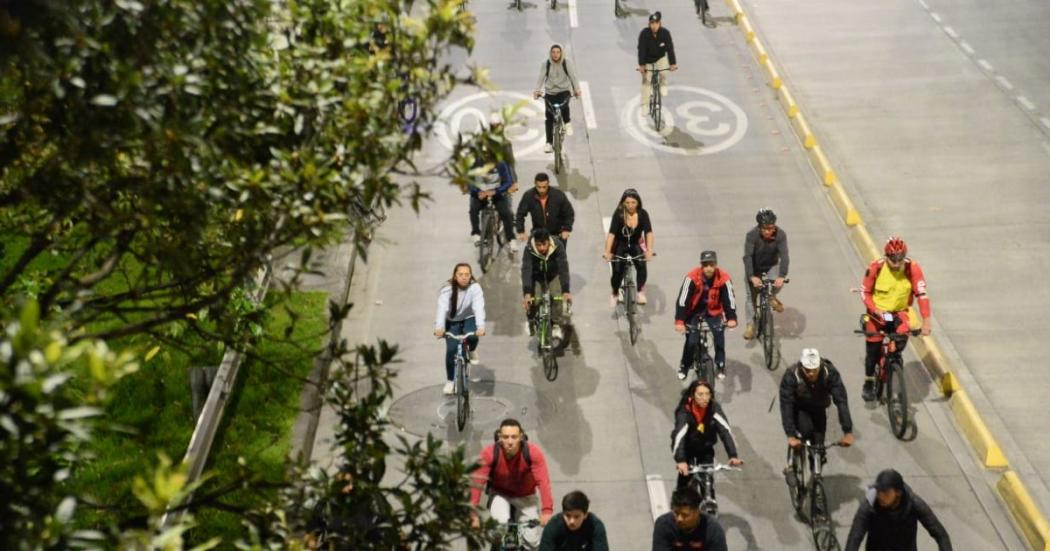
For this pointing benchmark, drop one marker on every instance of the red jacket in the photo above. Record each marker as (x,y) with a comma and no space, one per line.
(719,296)
(513,476)
(914,274)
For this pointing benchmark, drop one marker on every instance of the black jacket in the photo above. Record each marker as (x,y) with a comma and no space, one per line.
(708,534)
(693,437)
(589,537)
(798,394)
(557,217)
(652,48)
(536,267)
(761,255)
(896,529)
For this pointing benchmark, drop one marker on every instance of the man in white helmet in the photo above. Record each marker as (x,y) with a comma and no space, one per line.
(807,389)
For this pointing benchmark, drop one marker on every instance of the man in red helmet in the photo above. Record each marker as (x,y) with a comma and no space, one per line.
(890,286)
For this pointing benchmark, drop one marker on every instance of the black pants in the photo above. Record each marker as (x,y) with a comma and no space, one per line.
(718,334)
(620,268)
(562,98)
(703,457)
(811,424)
(502,207)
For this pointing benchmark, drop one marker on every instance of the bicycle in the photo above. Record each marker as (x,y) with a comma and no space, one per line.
(629,288)
(703,361)
(764,324)
(812,492)
(558,134)
(510,534)
(461,379)
(546,343)
(704,482)
(655,103)
(492,238)
(890,388)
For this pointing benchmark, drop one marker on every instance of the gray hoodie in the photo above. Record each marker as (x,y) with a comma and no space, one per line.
(560,78)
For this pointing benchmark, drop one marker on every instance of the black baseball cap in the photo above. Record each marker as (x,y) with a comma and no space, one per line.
(889,479)
(708,256)
(655,16)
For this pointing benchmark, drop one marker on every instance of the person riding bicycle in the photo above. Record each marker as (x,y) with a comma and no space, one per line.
(507,151)
(890,286)
(806,390)
(460,310)
(765,255)
(511,470)
(706,295)
(547,207)
(544,260)
(556,83)
(493,186)
(699,423)
(630,234)
(686,527)
(655,47)
(889,515)
(575,529)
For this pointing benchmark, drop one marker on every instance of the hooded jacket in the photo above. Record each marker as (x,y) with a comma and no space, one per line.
(761,255)
(798,394)
(696,296)
(895,529)
(557,216)
(537,267)
(693,437)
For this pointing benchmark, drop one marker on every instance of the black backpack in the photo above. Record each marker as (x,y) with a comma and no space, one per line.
(497,453)
(547,73)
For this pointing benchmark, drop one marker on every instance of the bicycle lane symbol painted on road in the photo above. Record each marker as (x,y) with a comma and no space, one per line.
(469,114)
(696,121)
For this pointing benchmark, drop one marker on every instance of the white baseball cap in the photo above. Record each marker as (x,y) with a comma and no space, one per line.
(810,358)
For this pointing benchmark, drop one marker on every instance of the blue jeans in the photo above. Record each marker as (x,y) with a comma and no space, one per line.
(452,345)
(718,334)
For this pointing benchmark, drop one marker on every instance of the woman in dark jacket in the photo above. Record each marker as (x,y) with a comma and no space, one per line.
(630,233)
(698,424)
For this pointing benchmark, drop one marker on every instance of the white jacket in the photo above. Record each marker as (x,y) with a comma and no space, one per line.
(471,304)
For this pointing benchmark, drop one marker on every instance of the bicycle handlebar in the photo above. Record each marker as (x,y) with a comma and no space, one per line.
(766,280)
(880,333)
(461,338)
(822,447)
(693,327)
(531,523)
(712,468)
(621,258)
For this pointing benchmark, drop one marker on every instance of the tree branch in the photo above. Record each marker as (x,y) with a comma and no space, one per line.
(36,246)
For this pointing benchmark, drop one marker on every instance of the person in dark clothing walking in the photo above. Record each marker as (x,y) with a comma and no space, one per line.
(699,423)
(706,295)
(655,47)
(547,207)
(685,527)
(575,529)
(765,255)
(889,515)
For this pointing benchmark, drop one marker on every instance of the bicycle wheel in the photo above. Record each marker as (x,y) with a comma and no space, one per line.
(462,395)
(818,504)
(896,399)
(557,149)
(798,490)
(550,365)
(485,244)
(768,344)
(824,538)
(629,309)
(658,108)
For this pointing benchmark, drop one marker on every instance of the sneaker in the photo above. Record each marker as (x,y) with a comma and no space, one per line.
(776,304)
(721,371)
(683,372)
(449,389)
(749,332)
(663,90)
(475,358)
(868,392)
(641,298)
(475,238)
(548,148)
(568,129)
(612,301)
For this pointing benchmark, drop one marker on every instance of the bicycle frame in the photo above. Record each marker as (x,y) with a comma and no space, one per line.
(558,133)
(655,103)
(489,221)
(629,288)
(703,476)
(703,359)
(461,378)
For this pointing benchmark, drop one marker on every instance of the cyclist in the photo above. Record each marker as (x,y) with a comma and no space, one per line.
(630,233)
(545,260)
(556,83)
(889,515)
(655,47)
(765,254)
(511,470)
(548,208)
(890,286)
(575,529)
(507,149)
(493,186)
(806,390)
(699,423)
(460,309)
(706,295)
(686,527)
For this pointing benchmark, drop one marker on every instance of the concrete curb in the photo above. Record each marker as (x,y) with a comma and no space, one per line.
(1030,521)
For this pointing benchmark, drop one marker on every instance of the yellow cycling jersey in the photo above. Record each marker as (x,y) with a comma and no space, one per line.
(892,290)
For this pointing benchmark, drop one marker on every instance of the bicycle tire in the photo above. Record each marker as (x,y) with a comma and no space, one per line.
(558,162)
(796,492)
(658,109)
(818,504)
(550,365)
(629,309)
(768,342)
(897,399)
(824,538)
(485,244)
(462,395)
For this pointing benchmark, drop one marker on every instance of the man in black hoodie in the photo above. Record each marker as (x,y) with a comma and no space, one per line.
(686,527)
(544,261)
(889,515)
(547,207)
(655,48)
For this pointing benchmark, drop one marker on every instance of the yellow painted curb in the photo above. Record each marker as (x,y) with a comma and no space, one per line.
(827,175)
(808,139)
(976,432)
(1031,521)
(787,101)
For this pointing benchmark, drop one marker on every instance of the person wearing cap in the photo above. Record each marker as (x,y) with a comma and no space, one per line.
(544,260)
(557,83)
(806,390)
(890,285)
(706,295)
(655,47)
(630,234)
(889,515)
(506,152)
(765,255)
(547,207)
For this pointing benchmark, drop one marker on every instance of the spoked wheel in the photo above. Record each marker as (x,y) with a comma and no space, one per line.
(462,398)
(705,369)
(824,538)
(634,329)
(897,399)
(657,109)
(798,490)
(768,343)
(558,161)
(629,310)
(818,506)
(550,365)
(485,246)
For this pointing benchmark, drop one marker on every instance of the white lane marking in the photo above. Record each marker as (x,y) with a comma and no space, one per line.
(588,107)
(573,20)
(924,5)
(1045,121)
(657,495)
(966,47)
(1004,83)
(935,16)
(1026,103)
(985,65)
(951,32)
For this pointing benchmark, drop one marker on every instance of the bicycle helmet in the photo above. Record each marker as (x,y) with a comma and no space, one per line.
(895,246)
(766,216)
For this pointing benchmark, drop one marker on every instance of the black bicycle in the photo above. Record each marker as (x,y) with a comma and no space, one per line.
(764,324)
(492,239)
(655,102)
(702,361)
(461,378)
(558,134)
(890,388)
(811,492)
(546,342)
(629,288)
(703,480)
